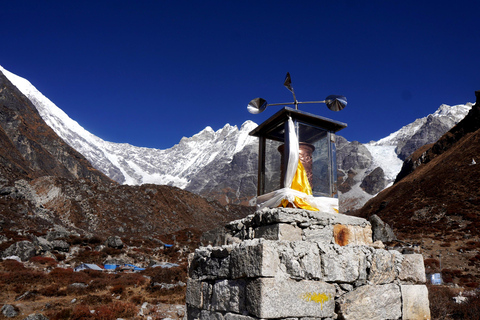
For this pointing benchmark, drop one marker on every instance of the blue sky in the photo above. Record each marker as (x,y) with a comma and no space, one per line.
(150,72)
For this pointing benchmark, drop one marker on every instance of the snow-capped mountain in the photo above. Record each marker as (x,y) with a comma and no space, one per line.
(359,163)
(222,164)
(424,130)
(127,164)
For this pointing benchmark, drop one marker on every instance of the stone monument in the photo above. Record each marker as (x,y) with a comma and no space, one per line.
(295,264)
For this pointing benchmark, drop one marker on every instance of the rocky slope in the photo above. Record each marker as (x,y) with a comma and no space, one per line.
(434,202)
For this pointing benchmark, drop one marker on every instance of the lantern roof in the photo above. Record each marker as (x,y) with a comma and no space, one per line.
(268,127)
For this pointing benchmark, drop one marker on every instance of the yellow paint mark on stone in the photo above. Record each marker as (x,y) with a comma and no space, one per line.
(316,297)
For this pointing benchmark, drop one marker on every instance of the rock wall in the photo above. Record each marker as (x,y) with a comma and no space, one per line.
(297,265)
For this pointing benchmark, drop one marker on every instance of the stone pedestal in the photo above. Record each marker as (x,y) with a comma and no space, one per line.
(294,264)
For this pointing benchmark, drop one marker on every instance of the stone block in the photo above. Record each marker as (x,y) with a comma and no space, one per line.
(415,302)
(198,294)
(382,268)
(254,258)
(318,233)
(344,264)
(210,263)
(229,295)
(233,316)
(279,231)
(300,259)
(280,215)
(351,234)
(193,295)
(371,302)
(210,315)
(270,298)
(413,269)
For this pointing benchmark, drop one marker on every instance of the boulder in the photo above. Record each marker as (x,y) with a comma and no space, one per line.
(381,231)
(210,264)
(43,244)
(60,245)
(344,264)
(9,311)
(23,249)
(374,182)
(300,259)
(114,242)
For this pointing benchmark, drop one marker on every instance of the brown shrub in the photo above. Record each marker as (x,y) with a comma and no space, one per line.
(468,310)
(25,277)
(82,312)
(128,279)
(167,275)
(118,289)
(93,300)
(441,302)
(91,256)
(100,283)
(136,299)
(442,305)
(11,265)
(60,315)
(451,273)
(67,276)
(117,309)
(52,291)
(46,261)
(431,265)
(111,251)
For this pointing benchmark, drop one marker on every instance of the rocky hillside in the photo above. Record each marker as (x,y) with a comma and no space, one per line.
(436,198)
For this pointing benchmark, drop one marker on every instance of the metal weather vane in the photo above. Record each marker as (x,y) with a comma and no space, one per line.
(333,102)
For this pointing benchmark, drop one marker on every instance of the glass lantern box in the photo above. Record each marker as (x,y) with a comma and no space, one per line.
(316,151)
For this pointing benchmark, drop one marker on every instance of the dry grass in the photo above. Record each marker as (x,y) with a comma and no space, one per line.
(443,306)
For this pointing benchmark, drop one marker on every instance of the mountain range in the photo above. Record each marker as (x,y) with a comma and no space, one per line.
(222,165)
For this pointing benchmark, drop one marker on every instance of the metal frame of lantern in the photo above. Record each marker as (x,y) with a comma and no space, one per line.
(306,143)
(310,129)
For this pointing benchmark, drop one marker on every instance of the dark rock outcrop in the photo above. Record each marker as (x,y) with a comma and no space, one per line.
(22,249)
(353,155)
(374,182)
